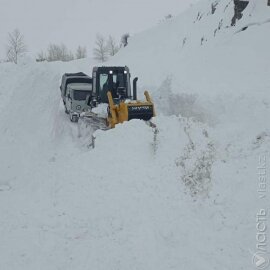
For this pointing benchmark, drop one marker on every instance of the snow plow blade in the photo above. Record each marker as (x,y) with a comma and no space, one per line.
(128,110)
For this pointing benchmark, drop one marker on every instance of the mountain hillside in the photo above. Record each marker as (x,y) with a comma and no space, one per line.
(184,197)
(200,57)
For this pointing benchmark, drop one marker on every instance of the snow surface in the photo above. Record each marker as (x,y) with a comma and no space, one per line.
(184,197)
(101,110)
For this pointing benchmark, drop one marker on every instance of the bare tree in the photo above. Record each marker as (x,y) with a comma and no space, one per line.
(41,56)
(16,46)
(168,17)
(101,50)
(124,39)
(70,56)
(59,53)
(112,47)
(81,52)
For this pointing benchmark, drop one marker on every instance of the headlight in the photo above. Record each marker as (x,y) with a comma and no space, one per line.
(111,72)
(78,107)
(125,72)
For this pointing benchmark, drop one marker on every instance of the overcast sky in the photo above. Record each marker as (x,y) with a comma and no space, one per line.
(76,22)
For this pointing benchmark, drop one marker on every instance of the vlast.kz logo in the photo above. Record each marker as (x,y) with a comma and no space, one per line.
(260,260)
(261,257)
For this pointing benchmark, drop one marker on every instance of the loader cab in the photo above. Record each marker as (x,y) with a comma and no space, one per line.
(113,79)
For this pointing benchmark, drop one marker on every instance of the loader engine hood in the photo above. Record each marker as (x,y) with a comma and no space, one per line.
(142,112)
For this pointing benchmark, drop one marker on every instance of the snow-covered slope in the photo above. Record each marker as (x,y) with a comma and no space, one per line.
(183,198)
(199,54)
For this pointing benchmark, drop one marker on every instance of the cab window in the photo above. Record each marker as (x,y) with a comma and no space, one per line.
(103,80)
(80,95)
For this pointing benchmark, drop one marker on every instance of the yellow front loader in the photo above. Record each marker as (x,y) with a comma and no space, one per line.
(126,110)
(111,85)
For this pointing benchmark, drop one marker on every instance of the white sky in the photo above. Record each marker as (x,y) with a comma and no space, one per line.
(76,22)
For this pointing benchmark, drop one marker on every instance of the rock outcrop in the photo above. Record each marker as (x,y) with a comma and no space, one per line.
(239,7)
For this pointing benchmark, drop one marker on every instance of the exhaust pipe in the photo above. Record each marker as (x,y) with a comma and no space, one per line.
(135,88)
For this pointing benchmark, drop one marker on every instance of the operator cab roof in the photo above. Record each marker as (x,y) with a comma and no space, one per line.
(105,69)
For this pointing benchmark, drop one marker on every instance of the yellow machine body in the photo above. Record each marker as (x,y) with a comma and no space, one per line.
(127,110)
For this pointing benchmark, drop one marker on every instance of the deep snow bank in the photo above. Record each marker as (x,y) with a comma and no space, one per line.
(65,203)
(212,71)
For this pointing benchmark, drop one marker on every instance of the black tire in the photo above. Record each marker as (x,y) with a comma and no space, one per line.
(73,118)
